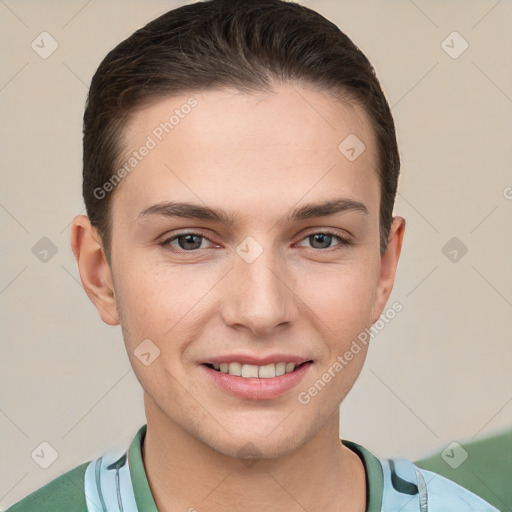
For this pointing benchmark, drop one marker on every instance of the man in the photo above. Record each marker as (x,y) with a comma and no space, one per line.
(240,170)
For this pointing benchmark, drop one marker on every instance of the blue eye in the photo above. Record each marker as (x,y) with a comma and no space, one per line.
(325,237)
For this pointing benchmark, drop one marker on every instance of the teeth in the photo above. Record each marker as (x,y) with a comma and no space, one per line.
(235,369)
(280,369)
(251,370)
(267,372)
(290,367)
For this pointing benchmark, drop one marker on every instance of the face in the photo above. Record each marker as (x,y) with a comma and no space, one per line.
(241,270)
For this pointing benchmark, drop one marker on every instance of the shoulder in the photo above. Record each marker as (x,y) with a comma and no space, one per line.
(483,466)
(63,494)
(400,485)
(417,489)
(446,495)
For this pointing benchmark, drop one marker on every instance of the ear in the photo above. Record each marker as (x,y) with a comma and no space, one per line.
(388,265)
(95,272)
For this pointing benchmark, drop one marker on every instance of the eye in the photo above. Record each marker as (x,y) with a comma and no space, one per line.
(190,241)
(187,242)
(324,239)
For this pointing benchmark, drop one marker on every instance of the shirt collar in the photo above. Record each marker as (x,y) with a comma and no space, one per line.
(145,501)
(141,489)
(374,476)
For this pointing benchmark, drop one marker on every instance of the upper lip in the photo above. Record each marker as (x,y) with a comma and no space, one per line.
(257,360)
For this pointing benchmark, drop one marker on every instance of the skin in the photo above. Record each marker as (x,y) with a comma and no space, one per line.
(259,155)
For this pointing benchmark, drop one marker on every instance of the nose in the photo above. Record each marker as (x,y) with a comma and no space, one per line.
(258,294)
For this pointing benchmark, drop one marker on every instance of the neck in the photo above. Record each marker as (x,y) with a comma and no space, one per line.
(186,474)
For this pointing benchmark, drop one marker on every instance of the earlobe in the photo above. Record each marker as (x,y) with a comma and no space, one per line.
(94,270)
(389,263)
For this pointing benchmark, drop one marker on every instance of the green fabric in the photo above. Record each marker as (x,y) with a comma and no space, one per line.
(141,489)
(66,492)
(374,476)
(63,494)
(487,471)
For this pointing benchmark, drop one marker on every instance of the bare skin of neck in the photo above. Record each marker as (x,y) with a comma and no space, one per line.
(185,474)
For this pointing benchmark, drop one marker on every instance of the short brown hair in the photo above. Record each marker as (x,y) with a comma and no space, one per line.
(243,44)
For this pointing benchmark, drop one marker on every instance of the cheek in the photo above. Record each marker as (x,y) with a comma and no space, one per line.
(141,297)
(343,297)
(160,304)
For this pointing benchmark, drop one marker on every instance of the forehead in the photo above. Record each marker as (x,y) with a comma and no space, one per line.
(225,145)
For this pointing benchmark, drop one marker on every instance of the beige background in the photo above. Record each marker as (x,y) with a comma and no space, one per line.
(439,371)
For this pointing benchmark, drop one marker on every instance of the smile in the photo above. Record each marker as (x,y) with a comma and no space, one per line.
(255,382)
(268,371)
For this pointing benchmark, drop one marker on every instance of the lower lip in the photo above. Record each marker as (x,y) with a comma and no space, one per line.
(252,388)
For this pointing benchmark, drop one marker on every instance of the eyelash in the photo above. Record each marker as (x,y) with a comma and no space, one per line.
(343,242)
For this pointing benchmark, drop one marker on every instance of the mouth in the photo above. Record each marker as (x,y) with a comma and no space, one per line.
(256,382)
(248,371)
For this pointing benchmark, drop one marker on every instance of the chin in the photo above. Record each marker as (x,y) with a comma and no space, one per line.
(251,450)
(255,443)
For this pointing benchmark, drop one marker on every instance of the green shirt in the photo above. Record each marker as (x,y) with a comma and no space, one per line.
(117,482)
(66,493)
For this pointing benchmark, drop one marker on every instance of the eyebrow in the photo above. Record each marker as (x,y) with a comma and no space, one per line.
(174,209)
